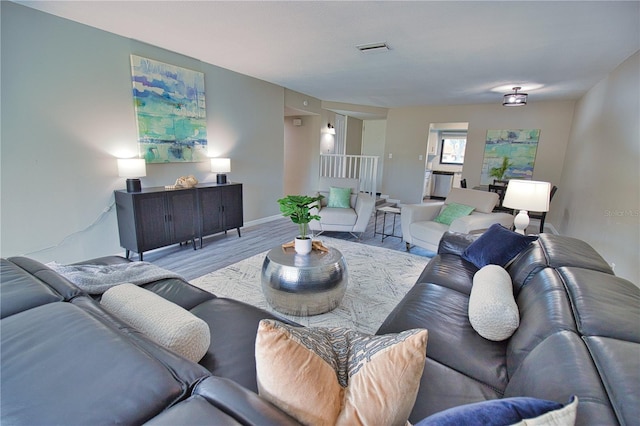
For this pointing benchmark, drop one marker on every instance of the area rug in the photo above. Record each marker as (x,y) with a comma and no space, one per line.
(378,279)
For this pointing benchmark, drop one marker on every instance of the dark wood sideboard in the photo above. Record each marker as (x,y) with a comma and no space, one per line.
(157,217)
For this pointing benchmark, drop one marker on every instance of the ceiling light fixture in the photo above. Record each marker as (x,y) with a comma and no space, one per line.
(373,47)
(515,98)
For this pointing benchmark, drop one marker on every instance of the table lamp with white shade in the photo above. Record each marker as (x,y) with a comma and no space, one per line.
(221,166)
(132,169)
(526,195)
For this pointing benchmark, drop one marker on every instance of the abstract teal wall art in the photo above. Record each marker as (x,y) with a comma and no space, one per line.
(518,146)
(170,111)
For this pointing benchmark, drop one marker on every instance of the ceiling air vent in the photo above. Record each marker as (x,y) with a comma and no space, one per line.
(373,47)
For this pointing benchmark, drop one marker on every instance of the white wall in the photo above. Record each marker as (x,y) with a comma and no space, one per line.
(301,155)
(408,129)
(373,142)
(353,140)
(601,178)
(67,111)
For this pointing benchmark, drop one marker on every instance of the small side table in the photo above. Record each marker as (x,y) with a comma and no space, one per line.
(395,211)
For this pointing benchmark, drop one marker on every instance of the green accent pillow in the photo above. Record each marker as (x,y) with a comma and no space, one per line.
(452,212)
(339,197)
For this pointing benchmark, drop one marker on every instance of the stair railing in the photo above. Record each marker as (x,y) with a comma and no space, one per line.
(361,167)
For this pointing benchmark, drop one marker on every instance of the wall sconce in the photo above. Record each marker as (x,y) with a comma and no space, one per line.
(221,166)
(526,195)
(515,98)
(132,169)
(331,129)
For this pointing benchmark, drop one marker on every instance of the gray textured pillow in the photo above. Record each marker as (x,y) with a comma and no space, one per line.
(162,321)
(493,311)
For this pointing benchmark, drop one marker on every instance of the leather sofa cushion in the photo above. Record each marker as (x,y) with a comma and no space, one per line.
(449,271)
(179,292)
(619,363)
(218,401)
(543,298)
(452,339)
(443,387)
(245,406)
(58,283)
(20,290)
(554,251)
(455,242)
(605,305)
(559,367)
(194,411)
(37,346)
(234,327)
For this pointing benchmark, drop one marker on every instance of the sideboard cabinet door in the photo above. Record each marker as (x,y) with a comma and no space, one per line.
(220,208)
(156,218)
(183,216)
(233,216)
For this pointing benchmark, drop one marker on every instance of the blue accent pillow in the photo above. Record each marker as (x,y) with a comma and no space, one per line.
(497,246)
(502,412)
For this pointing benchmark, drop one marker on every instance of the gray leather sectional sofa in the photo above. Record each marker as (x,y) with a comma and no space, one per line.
(579,333)
(67,361)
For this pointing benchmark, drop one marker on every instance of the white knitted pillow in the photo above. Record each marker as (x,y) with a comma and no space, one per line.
(162,321)
(493,311)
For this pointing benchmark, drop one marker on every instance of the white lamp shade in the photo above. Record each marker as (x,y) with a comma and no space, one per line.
(527,195)
(132,167)
(221,165)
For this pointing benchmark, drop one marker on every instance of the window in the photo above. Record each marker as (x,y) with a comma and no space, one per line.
(453,147)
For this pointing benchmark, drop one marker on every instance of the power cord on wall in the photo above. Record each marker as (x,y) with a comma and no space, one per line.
(100,217)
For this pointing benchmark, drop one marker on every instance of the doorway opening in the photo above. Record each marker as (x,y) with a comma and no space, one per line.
(446,145)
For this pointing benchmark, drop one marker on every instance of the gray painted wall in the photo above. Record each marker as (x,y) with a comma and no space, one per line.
(67,112)
(601,175)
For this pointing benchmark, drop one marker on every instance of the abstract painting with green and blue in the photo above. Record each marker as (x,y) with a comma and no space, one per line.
(170,111)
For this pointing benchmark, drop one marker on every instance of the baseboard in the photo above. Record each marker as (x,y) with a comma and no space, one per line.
(262,220)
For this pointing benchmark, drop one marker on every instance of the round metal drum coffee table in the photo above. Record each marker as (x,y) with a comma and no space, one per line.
(304,285)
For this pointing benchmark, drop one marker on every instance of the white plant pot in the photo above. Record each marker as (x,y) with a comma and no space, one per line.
(303,246)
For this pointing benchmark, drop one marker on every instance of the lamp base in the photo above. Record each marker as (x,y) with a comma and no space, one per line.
(221,178)
(134,185)
(521,221)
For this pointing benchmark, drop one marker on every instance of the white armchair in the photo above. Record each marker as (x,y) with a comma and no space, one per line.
(353,219)
(418,227)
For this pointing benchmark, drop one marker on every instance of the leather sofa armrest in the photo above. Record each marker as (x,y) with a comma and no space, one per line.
(245,406)
(411,213)
(480,222)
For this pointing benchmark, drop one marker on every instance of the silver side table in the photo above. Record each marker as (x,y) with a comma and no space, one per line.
(304,285)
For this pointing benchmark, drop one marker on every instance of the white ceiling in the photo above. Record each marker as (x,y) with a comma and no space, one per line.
(442,52)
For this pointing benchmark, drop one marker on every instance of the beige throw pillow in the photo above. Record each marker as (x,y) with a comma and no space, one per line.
(337,376)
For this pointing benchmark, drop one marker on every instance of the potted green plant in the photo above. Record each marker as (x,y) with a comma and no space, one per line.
(499,172)
(298,208)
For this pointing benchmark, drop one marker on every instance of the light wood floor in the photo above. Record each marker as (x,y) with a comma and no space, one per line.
(223,250)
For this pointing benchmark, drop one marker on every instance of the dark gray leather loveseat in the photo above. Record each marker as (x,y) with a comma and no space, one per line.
(67,361)
(579,333)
